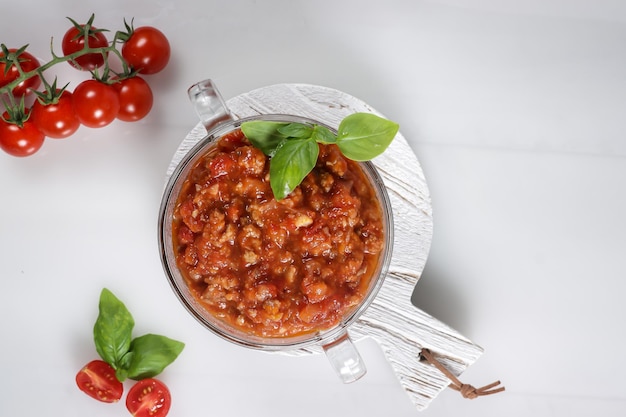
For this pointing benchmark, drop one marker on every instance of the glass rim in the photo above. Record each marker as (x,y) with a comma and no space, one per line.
(194,307)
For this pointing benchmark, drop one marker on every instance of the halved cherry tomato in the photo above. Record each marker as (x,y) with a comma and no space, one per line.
(149,398)
(74,41)
(20,141)
(56,120)
(28,63)
(97,379)
(95,103)
(135,98)
(147,50)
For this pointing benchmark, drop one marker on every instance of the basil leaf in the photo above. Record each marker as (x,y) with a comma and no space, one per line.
(323,135)
(264,135)
(112,331)
(151,353)
(296,130)
(293,148)
(363,136)
(121,373)
(290,164)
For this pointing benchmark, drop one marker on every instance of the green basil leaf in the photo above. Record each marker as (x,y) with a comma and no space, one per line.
(296,130)
(293,148)
(290,164)
(323,135)
(121,373)
(151,353)
(112,331)
(363,136)
(264,135)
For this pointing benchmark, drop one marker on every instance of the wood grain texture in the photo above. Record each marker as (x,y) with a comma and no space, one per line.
(399,327)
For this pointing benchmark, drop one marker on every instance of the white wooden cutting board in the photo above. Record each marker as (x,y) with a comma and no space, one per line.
(399,327)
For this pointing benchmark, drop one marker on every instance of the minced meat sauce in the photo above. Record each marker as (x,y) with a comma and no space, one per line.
(276,268)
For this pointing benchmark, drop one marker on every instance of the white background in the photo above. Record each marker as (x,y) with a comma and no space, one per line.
(515,110)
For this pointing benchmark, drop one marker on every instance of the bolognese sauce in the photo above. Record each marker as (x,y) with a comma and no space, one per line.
(276,268)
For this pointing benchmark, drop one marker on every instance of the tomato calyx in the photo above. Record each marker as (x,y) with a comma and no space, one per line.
(15,113)
(51,93)
(87,30)
(130,29)
(106,77)
(11,57)
(126,73)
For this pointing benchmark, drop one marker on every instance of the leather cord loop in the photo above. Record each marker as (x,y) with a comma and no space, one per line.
(466,390)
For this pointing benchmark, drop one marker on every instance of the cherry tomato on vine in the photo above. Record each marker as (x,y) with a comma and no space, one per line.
(74,41)
(56,120)
(149,398)
(95,103)
(20,141)
(97,379)
(28,63)
(147,50)
(135,98)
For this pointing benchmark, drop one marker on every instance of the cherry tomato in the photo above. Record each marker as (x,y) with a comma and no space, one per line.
(147,50)
(20,141)
(55,120)
(135,98)
(28,63)
(97,379)
(149,398)
(95,103)
(74,41)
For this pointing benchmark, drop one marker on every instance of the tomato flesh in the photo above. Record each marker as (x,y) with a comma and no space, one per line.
(97,379)
(149,398)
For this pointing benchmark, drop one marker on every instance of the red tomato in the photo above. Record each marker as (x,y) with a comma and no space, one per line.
(135,98)
(20,141)
(28,63)
(95,103)
(149,398)
(222,164)
(147,50)
(56,120)
(97,379)
(74,41)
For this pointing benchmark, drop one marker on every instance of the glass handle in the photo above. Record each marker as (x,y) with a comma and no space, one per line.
(208,103)
(344,357)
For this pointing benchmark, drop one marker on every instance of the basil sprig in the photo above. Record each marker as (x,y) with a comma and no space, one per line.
(293,149)
(142,357)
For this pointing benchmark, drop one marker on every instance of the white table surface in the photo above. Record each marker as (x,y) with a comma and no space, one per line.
(516,113)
